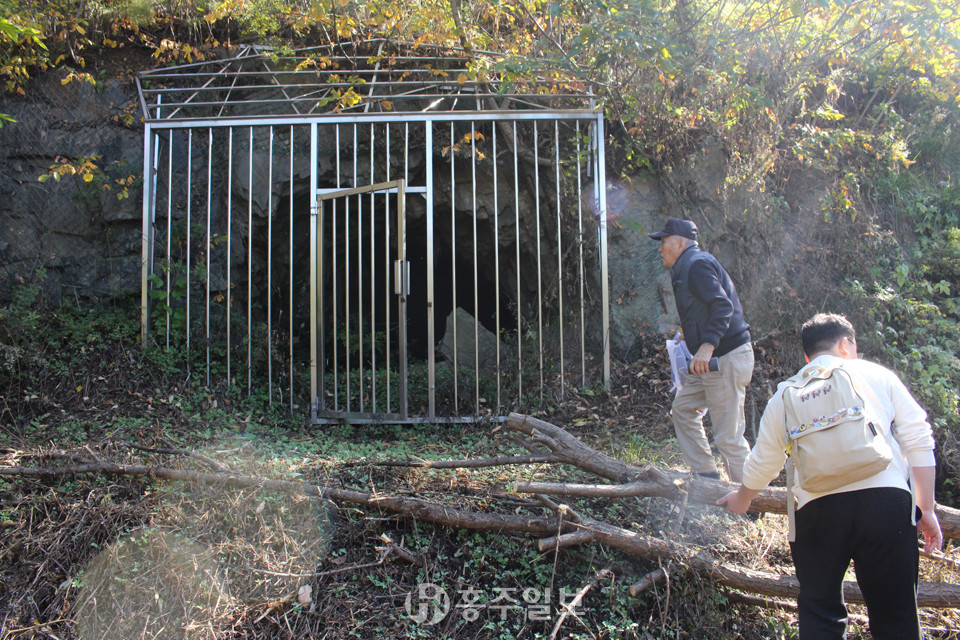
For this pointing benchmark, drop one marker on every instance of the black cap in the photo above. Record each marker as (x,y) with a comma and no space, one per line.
(676,227)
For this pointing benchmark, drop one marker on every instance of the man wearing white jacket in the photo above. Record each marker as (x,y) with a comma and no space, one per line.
(869,521)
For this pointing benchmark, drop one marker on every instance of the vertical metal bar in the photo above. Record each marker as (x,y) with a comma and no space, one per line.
(356,183)
(155,183)
(347,278)
(209,239)
(453,264)
(335,266)
(476,298)
(373,288)
(516,210)
(270,270)
(431,324)
(404,290)
(146,245)
(556,136)
(155,189)
(169,224)
(314,206)
(583,330)
(604,269)
(189,221)
(250,266)
(229,246)
(321,282)
(386,267)
(536,191)
(290,275)
(496,252)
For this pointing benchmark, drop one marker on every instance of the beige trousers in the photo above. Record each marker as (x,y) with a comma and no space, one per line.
(723,393)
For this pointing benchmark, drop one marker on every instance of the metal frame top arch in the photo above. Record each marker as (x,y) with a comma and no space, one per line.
(375,78)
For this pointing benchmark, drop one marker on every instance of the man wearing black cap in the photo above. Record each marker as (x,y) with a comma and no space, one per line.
(713,327)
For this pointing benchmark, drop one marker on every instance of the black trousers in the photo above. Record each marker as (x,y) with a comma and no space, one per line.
(871,527)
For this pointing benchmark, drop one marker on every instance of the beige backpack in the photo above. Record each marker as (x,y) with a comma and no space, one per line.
(833,438)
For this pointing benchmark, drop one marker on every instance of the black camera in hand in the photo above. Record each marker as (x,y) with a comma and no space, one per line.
(714,365)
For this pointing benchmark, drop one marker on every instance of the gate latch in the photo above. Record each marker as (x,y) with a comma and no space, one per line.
(401,277)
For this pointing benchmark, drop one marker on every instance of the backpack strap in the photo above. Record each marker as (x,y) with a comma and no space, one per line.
(791,504)
(790,467)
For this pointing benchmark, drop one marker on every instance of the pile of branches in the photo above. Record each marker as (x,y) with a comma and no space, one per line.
(556,524)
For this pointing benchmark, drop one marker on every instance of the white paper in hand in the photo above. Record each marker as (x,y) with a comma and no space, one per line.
(680,358)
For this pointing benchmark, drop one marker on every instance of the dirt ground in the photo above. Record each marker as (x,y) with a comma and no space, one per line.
(108,556)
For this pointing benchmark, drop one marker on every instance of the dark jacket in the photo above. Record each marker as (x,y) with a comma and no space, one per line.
(707,301)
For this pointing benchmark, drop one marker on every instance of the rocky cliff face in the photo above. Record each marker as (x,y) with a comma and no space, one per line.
(84,237)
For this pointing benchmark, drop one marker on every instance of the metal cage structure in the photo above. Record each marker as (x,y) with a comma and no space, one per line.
(389,220)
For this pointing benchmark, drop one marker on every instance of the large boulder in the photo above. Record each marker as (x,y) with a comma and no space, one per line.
(473,342)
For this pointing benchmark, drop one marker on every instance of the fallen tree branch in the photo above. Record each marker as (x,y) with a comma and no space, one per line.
(572,451)
(545,458)
(937,595)
(568,609)
(400,551)
(210,462)
(565,540)
(650,481)
(780,605)
(762,603)
(647,581)
(406,506)
(930,594)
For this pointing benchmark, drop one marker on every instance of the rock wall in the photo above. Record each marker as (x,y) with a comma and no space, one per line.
(84,237)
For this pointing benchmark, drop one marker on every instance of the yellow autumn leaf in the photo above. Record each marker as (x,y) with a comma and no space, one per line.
(88,177)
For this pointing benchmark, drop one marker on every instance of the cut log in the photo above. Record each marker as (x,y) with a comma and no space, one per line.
(572,451)
(651,481)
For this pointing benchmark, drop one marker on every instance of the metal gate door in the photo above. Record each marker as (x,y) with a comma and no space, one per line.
(360,280)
